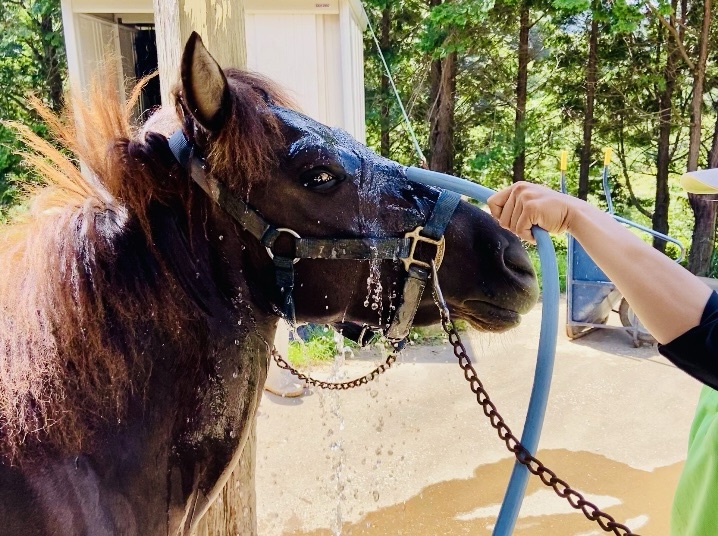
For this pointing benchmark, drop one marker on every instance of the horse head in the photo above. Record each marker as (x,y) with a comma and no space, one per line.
(346,203)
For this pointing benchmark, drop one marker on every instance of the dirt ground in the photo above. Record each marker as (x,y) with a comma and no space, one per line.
(413,454)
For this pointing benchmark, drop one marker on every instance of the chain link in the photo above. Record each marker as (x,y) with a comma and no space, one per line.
(333,386)
(547,476)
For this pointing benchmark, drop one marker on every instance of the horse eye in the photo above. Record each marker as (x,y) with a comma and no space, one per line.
(320,179)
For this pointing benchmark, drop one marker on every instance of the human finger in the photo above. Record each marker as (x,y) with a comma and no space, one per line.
(507,211)
(524,225)
(516,213)
(497,201)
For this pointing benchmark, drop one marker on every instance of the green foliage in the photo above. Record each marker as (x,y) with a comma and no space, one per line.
(318,347)
(631,74)
(446,26)
(561,257)
(32,61)
(624,17)
(319,343)
(571,5)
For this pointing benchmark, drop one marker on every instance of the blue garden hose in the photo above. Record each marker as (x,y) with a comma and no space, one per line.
(546,350)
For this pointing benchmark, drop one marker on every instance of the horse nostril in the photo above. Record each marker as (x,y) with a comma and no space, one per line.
(518,265)
(517,260)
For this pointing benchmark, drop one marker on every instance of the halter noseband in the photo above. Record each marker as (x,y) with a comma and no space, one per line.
(403,249)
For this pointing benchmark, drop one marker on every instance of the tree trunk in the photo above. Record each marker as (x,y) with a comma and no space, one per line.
(441,114)
(588,119)
(385,117)
(51,64)
(663,159)
(519,166)
(704,209)
(703,238)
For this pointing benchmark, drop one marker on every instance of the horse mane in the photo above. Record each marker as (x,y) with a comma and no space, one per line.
(80,294)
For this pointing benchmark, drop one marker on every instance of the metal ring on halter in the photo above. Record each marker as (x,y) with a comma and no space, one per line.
(283,230)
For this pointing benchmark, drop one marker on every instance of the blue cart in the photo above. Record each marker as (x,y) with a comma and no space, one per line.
(590,294)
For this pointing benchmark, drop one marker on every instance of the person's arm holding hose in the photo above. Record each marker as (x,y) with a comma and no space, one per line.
(679,310)
(667,298)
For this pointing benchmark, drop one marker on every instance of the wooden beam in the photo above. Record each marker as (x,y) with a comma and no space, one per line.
(112,6)
(69,26)
(220,24)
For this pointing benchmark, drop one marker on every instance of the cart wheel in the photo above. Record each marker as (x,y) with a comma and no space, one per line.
(630,320)
(572,332)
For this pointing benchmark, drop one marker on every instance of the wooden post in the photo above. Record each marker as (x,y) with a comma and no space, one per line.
(220,23)
(235,510)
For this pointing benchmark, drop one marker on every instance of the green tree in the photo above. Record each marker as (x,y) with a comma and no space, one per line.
(32,60)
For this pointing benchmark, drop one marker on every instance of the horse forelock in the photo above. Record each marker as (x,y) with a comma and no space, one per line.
(244,150)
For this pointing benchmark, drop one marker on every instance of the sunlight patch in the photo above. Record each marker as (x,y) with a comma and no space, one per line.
(540,503)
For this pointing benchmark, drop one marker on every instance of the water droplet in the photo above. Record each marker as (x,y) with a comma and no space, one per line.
(374,306)
(232,434)
(236,341)
(221,237)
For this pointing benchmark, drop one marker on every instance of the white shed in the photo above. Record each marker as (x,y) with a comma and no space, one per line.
(313,48)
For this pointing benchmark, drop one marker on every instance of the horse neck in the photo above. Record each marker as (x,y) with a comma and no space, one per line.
(212,262)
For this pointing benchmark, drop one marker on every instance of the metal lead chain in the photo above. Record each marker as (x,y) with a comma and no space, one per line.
(547,476)
(332,386)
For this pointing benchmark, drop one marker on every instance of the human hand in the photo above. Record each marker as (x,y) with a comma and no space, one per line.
(523,205)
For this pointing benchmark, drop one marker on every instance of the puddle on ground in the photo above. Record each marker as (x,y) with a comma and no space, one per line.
(637,498)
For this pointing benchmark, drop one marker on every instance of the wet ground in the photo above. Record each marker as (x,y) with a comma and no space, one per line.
(413,454)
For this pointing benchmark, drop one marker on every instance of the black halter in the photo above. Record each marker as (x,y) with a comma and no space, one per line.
(403,249)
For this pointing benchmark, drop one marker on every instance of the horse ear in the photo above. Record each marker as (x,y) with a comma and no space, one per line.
(204,85)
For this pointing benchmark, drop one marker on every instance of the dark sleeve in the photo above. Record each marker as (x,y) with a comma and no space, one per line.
(696,351)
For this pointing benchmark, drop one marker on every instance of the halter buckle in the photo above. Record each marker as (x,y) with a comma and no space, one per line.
(417,237)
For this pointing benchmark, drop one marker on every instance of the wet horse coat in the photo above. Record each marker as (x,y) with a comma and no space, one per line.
(137,315)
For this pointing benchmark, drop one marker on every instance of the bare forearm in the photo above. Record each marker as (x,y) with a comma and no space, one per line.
(667,299)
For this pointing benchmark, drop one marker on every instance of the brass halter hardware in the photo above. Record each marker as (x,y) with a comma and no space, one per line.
(417,237)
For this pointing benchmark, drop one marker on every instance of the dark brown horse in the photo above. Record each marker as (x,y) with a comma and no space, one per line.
(136,313)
